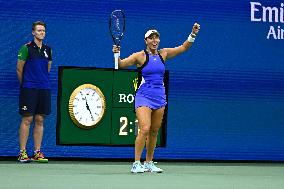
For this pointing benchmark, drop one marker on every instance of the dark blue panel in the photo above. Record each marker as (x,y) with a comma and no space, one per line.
(226,94)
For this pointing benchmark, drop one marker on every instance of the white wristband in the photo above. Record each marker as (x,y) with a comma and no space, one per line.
(190,38)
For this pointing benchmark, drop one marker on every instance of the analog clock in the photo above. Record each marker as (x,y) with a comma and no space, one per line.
(86,106)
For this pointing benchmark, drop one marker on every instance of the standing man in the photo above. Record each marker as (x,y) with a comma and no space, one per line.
(33,67)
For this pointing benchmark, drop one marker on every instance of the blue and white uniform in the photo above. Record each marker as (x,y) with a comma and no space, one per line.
(35,94)
(151,92)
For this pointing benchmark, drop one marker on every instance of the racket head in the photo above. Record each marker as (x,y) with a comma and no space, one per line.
(117,25)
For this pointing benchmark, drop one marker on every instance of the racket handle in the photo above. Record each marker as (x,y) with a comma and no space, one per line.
(116,56)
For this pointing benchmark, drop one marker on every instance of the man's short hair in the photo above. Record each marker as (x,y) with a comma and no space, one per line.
(38,23)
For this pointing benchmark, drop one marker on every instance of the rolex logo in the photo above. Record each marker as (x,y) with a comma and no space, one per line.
(135,83)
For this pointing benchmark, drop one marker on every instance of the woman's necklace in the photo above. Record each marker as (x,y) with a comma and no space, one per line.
(156,52)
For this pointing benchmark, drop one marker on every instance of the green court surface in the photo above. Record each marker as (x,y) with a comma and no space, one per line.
(177,175)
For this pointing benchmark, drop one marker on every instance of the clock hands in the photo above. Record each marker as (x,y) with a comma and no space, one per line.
(88,108)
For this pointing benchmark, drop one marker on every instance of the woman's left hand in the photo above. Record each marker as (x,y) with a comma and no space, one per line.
(195,28)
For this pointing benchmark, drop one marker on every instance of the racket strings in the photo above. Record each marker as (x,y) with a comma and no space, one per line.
(117,25)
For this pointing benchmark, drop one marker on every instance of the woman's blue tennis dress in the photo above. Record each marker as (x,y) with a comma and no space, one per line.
(151,92)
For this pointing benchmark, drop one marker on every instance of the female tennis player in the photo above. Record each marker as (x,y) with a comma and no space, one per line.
(150,98)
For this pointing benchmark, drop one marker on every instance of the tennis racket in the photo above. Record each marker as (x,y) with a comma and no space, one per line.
(116,28)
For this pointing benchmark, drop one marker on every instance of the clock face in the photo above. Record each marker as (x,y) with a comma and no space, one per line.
(86,106)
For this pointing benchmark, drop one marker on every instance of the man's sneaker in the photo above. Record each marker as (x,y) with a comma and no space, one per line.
(151,167)
(39,157)
(23,157)
(137,167)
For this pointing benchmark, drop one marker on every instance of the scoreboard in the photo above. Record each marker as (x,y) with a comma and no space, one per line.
(95,106)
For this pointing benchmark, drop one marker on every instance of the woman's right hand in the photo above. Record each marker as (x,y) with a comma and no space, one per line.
(115,49)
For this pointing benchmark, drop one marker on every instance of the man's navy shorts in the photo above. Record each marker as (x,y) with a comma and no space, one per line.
(34,101)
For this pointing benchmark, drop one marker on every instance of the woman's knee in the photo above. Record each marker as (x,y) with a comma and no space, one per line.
(154,132)
(144,132)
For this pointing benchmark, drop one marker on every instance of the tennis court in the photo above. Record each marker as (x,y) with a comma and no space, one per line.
(177,175)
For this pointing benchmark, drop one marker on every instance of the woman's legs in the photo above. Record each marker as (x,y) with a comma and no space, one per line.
(144,119)
(156,122)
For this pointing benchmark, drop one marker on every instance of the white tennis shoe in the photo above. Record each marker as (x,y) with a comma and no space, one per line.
(137,167)
(151,167)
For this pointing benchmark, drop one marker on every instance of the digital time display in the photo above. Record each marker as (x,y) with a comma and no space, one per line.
(124,124)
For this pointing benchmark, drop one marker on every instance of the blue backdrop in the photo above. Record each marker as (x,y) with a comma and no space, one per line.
(226,94)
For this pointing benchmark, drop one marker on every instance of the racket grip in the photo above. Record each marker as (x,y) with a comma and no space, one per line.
(116,56)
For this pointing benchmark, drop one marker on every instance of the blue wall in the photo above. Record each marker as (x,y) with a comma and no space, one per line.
(226,94)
